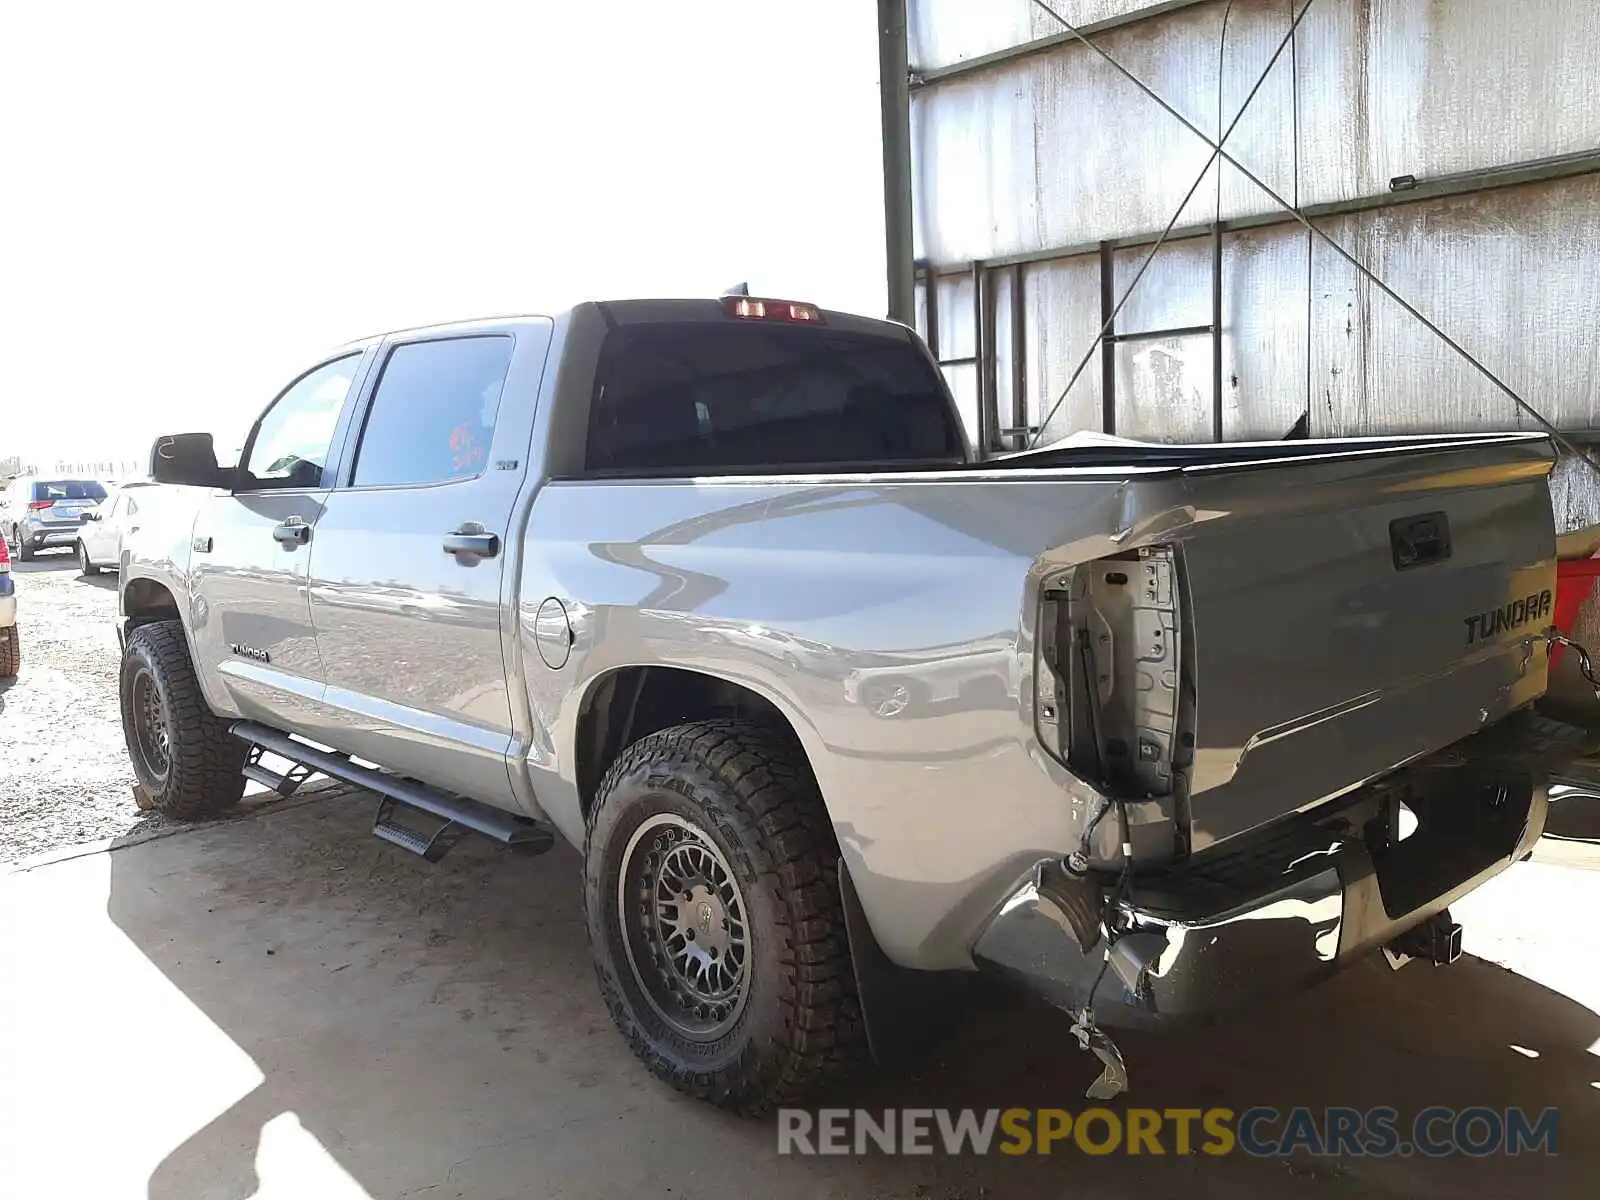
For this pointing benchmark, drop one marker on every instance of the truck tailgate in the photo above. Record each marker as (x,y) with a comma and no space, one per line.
(1350,612)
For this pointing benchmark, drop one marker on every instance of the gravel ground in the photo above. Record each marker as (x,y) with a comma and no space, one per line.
(64,773)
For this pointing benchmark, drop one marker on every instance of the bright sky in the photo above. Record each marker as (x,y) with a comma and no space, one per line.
(202,196)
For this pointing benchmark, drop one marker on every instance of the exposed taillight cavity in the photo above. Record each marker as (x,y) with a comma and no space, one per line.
(1110,697)
(749,308)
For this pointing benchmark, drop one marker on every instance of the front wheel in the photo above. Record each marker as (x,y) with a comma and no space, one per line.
(712,898)
(182,752)
(85,566)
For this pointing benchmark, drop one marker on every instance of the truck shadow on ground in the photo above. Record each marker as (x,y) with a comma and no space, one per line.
(63,560)
(66,560)
(437,1030)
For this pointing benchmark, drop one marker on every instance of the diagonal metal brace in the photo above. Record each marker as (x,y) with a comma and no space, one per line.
(1216,152)
(1293,210)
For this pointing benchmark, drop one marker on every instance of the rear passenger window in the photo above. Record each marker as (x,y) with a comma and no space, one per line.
(711,398)
(432,416)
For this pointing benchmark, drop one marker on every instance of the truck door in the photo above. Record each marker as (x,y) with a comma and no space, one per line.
(251,549)
(409,591)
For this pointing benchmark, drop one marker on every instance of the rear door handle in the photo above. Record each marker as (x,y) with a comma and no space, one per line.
(293,532)
(470,540)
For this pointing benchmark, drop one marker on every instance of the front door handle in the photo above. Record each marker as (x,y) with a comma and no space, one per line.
(470,540)
(293,532)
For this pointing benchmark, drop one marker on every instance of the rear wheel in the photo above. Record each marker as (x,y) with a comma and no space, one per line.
(24,549)
(712,897)
(10,653)
(182,752)
(84,564)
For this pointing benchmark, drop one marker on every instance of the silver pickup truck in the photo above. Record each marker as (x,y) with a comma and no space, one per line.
(717,591)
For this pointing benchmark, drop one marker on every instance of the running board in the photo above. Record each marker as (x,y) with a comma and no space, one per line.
(285,784)
(460,815)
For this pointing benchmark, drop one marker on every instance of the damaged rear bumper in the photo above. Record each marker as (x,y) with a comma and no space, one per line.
(1298,901)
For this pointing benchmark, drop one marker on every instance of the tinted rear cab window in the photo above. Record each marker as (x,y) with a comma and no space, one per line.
(69,489)
(708,398)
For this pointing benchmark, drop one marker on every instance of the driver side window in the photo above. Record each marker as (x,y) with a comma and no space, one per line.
(291,443)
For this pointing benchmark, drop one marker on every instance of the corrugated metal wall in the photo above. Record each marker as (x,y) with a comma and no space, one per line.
(1037,167)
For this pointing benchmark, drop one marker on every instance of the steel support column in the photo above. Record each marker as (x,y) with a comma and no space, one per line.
(1108,343)
(1216,332)
(895,101)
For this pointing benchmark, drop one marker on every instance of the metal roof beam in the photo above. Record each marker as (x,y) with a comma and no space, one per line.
(930,76)
(1411,191)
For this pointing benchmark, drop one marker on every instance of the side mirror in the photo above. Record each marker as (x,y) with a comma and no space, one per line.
(187,458)
(92,515)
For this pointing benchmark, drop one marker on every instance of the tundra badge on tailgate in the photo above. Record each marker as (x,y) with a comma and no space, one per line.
(1509,616)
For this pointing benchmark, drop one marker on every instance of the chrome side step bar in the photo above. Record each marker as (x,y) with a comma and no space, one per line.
(459,814)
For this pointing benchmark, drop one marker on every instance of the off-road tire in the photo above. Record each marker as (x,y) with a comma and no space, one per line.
(203,775)
(750,789)
(85,565)
(10,653)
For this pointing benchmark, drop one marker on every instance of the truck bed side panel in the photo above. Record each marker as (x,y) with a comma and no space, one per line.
(804,593)
(824,594)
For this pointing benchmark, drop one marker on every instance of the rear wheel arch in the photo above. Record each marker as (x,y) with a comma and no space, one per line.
(626,704)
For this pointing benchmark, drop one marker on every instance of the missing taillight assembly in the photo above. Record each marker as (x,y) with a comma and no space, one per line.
(1110,669)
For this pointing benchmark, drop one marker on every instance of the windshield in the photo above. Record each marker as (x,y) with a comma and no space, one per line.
(69,489)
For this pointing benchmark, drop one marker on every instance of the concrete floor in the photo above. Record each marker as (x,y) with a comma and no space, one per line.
(278,1006)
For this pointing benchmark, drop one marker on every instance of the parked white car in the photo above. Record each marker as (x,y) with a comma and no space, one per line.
(100,538)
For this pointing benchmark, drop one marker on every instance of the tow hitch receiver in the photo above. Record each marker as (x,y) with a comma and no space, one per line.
(1436,940)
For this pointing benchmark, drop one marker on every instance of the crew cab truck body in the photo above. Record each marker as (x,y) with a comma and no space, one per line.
(623,575)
